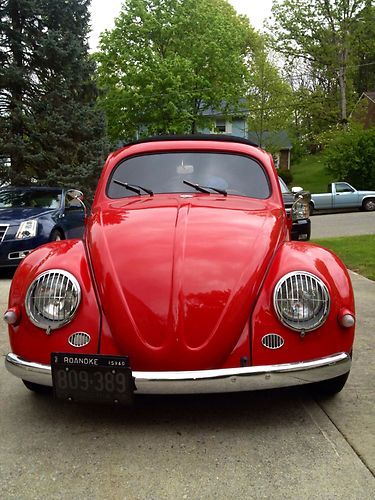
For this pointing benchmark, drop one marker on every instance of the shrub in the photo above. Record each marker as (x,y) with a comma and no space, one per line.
(299,150)
(286,175)
(350,156)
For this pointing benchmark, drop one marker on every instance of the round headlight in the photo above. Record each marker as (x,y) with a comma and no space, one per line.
(301,301)
(52,299)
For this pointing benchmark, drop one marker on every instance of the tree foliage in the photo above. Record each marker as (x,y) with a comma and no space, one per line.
(350,156)
(51,129)
(364,48)
(321,38)
(166,62)
(270,98)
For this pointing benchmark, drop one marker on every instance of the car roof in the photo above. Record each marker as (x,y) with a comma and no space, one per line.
(194,137)
(32,188)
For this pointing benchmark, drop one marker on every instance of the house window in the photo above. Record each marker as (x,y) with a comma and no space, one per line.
(223,126)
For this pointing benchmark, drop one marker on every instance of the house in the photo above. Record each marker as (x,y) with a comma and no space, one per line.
(278,143)
(231,122)
(235,123)
(364,110)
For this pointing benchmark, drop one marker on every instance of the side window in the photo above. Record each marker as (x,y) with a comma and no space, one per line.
(55,203)
(343,187)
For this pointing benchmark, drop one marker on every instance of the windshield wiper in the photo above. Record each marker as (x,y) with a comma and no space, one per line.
(134,187)
(205,189)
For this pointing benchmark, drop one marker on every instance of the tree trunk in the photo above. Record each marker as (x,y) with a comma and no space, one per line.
(342,85)
(16,92)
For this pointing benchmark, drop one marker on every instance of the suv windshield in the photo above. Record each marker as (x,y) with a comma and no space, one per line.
(29,198)
(284,188)
(166,173)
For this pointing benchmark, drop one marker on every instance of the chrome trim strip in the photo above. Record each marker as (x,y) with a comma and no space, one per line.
(209,381)
(18,255)
(3,227)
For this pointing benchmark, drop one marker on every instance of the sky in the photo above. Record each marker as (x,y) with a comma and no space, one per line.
(103,13)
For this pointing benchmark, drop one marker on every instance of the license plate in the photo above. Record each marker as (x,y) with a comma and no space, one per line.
(95,378)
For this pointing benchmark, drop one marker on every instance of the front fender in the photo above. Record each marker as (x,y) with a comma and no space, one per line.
(33,343)
(46,224)
(330,337)
(367,196)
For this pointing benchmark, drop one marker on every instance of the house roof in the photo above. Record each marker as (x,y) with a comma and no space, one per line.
(224,109)
(370,95)
(278,140)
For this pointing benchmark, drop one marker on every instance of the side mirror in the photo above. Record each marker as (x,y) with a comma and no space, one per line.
(74,194)
(74,199)
(297,189)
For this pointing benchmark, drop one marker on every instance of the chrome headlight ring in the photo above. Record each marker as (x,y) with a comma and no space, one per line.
(301,301)
(52,299)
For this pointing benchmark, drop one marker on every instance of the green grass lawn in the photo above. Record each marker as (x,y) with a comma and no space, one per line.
(309,173)
(357,252)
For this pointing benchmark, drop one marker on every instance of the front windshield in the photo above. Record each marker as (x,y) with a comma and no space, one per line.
(30,198)
(166,173)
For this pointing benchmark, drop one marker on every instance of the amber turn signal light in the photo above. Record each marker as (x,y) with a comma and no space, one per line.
(11,316)
(346,319)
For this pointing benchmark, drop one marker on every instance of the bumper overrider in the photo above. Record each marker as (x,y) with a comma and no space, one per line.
(208,381)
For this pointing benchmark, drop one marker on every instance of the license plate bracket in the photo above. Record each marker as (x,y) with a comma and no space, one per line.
(92,378)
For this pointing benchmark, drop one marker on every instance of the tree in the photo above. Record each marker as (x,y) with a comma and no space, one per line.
(166,62)
(314,109)
(321,33)
(364,47)
(270,98)
(52,130)
(18,35)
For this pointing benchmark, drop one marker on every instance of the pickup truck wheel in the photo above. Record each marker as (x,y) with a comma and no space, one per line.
(311,208)
(369,205)
(37,388)
(330,387)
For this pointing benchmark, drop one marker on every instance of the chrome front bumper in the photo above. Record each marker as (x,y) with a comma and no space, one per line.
(209,381)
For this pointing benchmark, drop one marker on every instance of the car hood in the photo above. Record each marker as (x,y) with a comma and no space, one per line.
(288,199)
(178,276)
(17,215)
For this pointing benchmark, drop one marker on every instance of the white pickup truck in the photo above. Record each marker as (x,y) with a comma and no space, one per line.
(342,195)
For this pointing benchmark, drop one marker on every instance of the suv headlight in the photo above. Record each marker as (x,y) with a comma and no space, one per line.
(27,229)
(301,301)
(300,210)
(52,299)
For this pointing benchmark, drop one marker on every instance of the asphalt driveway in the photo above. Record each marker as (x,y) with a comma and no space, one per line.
(342,224)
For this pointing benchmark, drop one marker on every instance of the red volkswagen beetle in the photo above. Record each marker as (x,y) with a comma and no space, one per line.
(187,281)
